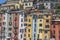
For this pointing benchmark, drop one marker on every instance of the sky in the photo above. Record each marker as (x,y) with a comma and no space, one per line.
(2,1)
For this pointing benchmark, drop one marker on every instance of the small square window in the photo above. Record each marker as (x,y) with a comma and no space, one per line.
(28,30)
(28,35)
(38,35)
(9,34)
(10,29)
(53,26)
(46,15)
(40,20)
(21,19)
(4,23)
(25,24)
(47,26)
(45,31)
(4,18)
(29,20)
(10,23)
(40,30)
(40,25)
(26,4)
(47,20)
(21,25)
(24,38)
(29,24)
(21,35)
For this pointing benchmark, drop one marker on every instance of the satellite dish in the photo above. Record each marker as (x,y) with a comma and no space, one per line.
(2,1)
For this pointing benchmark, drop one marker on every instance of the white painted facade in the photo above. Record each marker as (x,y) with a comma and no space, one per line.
(21,25)
(5,25)
(47,5)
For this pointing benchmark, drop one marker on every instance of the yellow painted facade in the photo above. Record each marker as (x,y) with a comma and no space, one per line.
(43,31)
(29,28)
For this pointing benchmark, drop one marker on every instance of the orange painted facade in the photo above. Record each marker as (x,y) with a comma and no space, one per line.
(55,30)
(1,26)
(15,26)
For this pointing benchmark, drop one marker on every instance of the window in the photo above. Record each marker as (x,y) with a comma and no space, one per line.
(21,30)
(21,19)
(28,35)
(21,35)
(38,36)
(47,26)
(34,39)
(35,20)
(46,15)
(28,30)
(46,3)
(21,14)
(53,36)
(30,38)
(26,4)
(53,26)
(54,31)
(29,20)
(4,18)
(25,24)
(47,20)
(9,34)
(24,38)
(45,36)
(10,13)
(3,29)
(4,23)
(29,24)
(10,29)
(21,25)
(40,30)
(10,18)
(40,25)
(45,31)
(10,23)
(35,25)
(40,20)
(8,38)
(34,35)
(59,32)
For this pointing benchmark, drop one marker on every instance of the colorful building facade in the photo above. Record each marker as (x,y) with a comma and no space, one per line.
(55,27)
